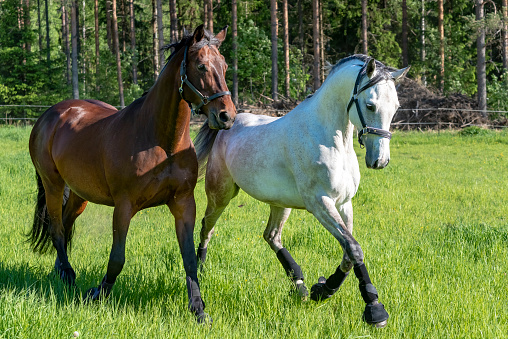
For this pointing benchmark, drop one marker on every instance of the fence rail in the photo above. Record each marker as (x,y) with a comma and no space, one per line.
(280,112)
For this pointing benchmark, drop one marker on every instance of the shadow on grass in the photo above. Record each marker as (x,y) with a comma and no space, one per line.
(136,290)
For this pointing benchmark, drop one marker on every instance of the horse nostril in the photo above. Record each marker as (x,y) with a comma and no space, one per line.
(224,116)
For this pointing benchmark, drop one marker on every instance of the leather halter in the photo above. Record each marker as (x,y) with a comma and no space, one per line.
(365,129)
(203,98)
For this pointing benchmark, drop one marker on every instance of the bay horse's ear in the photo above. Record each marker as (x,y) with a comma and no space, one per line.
(371,67)
(199,34)
(222,34)
(399,74)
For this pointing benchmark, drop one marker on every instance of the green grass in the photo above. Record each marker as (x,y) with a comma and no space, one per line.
(433,226)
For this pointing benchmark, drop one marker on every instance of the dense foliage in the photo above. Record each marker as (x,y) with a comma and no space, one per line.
(30,74)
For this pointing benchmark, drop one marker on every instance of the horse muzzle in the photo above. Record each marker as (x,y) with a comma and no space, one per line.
(378,152)
(220,120)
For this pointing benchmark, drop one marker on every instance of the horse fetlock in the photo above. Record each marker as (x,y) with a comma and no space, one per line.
(301,289)
(201,254)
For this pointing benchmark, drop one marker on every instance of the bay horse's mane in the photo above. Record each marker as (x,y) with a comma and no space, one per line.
(208,39)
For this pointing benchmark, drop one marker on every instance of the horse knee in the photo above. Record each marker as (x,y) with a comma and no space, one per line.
(355,253)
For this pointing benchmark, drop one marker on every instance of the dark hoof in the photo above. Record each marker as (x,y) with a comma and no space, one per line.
(68,276)
(375,315)
(95,294)
(204,318)
(302,291)
(320,291)
(92,294)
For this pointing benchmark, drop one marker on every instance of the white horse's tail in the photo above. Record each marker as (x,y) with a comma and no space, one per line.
(203,142)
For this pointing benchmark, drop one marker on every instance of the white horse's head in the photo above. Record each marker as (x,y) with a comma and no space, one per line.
(372,107)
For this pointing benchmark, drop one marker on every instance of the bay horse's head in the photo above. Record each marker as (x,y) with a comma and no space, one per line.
(371,109)
(203,78)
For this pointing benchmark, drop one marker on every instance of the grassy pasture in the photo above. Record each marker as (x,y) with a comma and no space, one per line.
(433,226)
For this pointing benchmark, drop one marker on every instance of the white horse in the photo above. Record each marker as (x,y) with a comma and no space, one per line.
(306,160)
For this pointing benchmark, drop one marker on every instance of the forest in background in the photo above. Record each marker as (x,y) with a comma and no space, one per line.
(51,50)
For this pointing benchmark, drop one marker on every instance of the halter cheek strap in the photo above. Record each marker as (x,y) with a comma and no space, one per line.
(204,100)
(365,129)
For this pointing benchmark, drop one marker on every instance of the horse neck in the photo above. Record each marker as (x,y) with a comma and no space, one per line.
(165,110)
(331,101)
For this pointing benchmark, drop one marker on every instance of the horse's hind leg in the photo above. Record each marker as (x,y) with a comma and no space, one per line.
(273,235)
(73,207)
(220,189)
(54,190)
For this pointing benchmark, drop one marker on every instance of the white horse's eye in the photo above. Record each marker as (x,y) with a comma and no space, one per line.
(371,107)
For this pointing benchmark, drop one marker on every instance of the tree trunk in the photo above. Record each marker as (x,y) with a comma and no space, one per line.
(108,24)
(405,57)
(234,28)
(321,40)
(65,42)
(124,25)
(155,42)
(48,50)
(173,21)
(39,25)
(27,24)
(422,41)
(97,45)
(116,46)
(210,15)
(274,26)
(286,46)
(505,35)
(302,41)
(74,38)
(364,27)
(480,62)
(441,44)
(133,44)
(315,35)
(160,30)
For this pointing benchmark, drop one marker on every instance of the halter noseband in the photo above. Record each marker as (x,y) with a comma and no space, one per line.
(204,99)
(365,129)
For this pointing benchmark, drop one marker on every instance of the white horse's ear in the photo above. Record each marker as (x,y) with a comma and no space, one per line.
(222,34)
(371,68)
(399,74)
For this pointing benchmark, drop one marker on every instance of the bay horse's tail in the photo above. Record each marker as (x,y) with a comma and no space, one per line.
(39,236)
(203,142)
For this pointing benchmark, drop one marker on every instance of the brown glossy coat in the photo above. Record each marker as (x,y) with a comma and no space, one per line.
(135,158)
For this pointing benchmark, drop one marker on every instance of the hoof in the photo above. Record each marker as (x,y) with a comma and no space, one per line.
(302,291)
(92,294)
(320,291)
(95,294)
(204,318)
(68,276)
(375,315)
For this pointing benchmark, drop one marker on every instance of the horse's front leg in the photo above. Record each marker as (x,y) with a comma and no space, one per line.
(122,216)
(183,209)
(325,211)
(325,288)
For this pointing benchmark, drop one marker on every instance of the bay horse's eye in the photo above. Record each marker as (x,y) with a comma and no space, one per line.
(202,67)
(371,107)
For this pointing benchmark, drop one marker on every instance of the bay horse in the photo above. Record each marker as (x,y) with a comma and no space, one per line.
(139,157)
(306,160)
